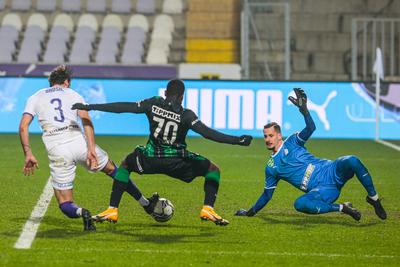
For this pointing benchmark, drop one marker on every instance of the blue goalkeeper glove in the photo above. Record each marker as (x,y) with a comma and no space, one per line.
(243,212)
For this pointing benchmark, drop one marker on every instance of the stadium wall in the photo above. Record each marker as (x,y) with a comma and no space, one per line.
(340,109)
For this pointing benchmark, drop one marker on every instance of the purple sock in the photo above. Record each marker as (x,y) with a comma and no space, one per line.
(69,209)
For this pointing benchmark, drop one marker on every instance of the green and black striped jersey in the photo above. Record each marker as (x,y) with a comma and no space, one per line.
(169,124)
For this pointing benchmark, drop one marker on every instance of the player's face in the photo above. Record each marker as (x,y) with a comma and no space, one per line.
(272,139)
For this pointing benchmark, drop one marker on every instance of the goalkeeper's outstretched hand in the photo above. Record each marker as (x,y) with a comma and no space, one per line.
(245,140)
(243,212)
(80,106)
(300,101)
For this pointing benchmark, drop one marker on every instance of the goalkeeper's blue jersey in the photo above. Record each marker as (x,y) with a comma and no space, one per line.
(294,164)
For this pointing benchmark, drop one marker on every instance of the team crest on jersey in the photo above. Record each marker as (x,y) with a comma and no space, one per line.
(286,151)
(270,162)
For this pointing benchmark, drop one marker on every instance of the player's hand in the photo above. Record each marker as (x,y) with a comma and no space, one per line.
(243,212)
(80,106)
(91,159)
(300,101)
(30,165)
(245,140)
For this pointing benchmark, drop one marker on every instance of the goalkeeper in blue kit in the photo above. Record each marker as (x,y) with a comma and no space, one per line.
(320,179)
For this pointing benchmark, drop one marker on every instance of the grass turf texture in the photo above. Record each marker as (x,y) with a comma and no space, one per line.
(278,235)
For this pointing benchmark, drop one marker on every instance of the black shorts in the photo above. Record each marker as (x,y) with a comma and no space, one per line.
(185,169)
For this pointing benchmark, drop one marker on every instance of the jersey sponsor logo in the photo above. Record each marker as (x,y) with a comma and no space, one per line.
(165,113)
(306,177)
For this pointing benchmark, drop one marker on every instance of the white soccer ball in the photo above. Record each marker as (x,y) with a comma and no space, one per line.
(163,211)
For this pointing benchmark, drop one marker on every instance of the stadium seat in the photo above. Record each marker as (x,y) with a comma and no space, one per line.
(172,7)
(136,34)
(12,19)
(146,6)
(9,33)
(37,19)
(71,5)
(109,40)
(139,20)
(133,49)
(96,6)
(164,22)
(65,21)
(88,20)
(156,56)
(113,20)
(59,37)
(121,6)
(6,57)
(46,5)
(161,35)
(21,5)
(10,27)
(29,52)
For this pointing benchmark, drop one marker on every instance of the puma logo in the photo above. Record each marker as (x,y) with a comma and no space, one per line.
(319,109)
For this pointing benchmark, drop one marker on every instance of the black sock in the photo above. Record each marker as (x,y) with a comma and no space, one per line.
(210,190)
(118,189)
(133,190)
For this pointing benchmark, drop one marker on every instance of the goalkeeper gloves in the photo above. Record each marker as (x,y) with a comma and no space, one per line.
(245,140)
(243,212)
(80,106)
(300,101)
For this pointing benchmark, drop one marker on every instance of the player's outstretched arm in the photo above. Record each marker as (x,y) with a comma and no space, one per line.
(217,136)
(116,107)
(301,102)
(260,204)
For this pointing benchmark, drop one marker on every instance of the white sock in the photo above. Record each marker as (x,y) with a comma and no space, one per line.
(374,198)
(144,201)
(79,212)
(340,207)
(111,207)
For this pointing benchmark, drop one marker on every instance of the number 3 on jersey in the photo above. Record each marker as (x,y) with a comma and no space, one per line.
(168,126)
(58,108)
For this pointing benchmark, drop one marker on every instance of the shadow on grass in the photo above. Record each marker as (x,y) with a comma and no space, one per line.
(307,221)
(157,233)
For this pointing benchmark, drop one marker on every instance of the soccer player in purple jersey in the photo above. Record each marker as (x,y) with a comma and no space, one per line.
(320,179)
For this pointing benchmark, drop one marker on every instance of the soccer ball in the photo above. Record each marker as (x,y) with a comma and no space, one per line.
(163,211)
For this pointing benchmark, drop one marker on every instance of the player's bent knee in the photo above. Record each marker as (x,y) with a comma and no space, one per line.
(301,205)
(213,176)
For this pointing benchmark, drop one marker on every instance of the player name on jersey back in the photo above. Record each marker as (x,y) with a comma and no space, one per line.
(165,113)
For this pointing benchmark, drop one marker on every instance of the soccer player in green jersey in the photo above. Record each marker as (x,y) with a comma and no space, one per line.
(165,151)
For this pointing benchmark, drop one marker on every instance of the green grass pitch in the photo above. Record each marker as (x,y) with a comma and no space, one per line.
(278,235)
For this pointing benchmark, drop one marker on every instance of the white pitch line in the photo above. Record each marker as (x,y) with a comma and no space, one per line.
(395,147)
(32,224)
(222,252)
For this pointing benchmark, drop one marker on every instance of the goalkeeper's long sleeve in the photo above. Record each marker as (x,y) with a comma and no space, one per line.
(214,135)
(263,200)
(306,133)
